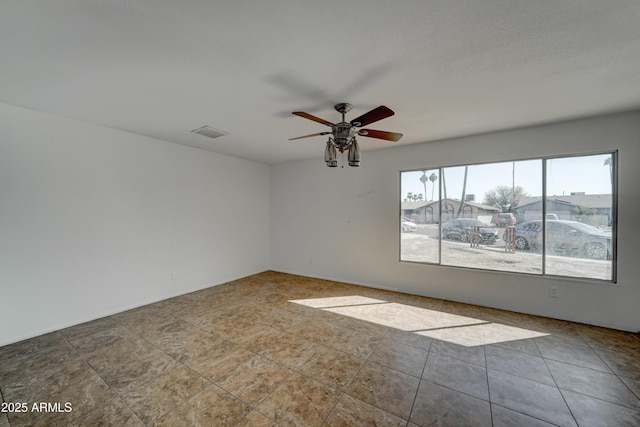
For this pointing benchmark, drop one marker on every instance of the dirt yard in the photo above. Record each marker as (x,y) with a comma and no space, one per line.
(419,247)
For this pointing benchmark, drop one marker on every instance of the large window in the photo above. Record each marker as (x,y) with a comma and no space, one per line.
(552,216)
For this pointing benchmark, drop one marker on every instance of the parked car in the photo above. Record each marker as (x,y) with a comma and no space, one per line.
(407,226)
(406,218)
(567,238)
(505,219)
(460,229)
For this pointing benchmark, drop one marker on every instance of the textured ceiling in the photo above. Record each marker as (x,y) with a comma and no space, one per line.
(447,68)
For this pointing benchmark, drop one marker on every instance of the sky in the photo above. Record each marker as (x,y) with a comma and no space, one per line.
(586,174)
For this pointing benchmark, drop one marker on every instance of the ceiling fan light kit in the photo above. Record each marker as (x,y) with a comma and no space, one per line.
(331,155)
(343,135)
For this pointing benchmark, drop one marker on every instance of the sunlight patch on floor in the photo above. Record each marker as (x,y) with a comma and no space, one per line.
(453,328)
(482,334)
(337,301)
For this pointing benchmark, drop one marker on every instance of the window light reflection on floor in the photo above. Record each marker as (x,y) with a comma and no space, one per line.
(453,328)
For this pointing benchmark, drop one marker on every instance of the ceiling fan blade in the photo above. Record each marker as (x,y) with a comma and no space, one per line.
(380,134)
(314,118)
(307,136)
(374,115)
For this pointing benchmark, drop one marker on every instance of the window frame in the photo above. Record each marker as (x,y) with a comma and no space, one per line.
(544,159)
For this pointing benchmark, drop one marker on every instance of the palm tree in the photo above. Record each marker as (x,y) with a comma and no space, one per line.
(424,180)
(433,178)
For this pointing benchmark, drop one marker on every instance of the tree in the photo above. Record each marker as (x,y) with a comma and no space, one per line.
(433,178)
(424,180)
(504,197)
(586,215)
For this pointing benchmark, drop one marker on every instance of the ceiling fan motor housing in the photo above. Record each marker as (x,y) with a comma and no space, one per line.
(343,134)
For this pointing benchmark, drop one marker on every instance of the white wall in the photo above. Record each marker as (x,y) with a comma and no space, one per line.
(343,223)
(93,221)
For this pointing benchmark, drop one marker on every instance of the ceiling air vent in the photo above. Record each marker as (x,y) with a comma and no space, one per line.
(209,132)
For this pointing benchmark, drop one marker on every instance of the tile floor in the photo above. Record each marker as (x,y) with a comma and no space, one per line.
(276,349)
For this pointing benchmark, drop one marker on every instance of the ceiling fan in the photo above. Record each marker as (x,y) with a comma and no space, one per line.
(343,135)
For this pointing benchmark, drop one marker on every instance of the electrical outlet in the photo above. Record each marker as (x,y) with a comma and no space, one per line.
(553,292)
(174,276)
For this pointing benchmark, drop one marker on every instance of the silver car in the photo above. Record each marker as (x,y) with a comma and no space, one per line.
(565,238)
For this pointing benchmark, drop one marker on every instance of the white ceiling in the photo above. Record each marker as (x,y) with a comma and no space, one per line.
(447,68)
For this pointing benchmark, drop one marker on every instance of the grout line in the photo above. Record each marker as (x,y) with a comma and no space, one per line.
(556,383)
(353,379)
(424,367)
(486,370)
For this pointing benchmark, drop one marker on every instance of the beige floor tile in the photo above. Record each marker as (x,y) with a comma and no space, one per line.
(474,354)
(403,358)
(332,367)
(113,413)
(355,343)
(211,407)
(392,391)
(233,327)
(594,383)
(438,405)
(131,375)
(220,361)
(625,363)
(517,363)
(256,419)
(457,374)
(83,398)
(634,385)
(593,412)
(503,417)
(395,337)
(290,350)
(254,379)
(120,354)
(257,337)
(317,331)
(300,401)
(529,397)
(282,319)
(181,340)
(350,412)
(523,346)
(163,393)
(142,320)
(571,353)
